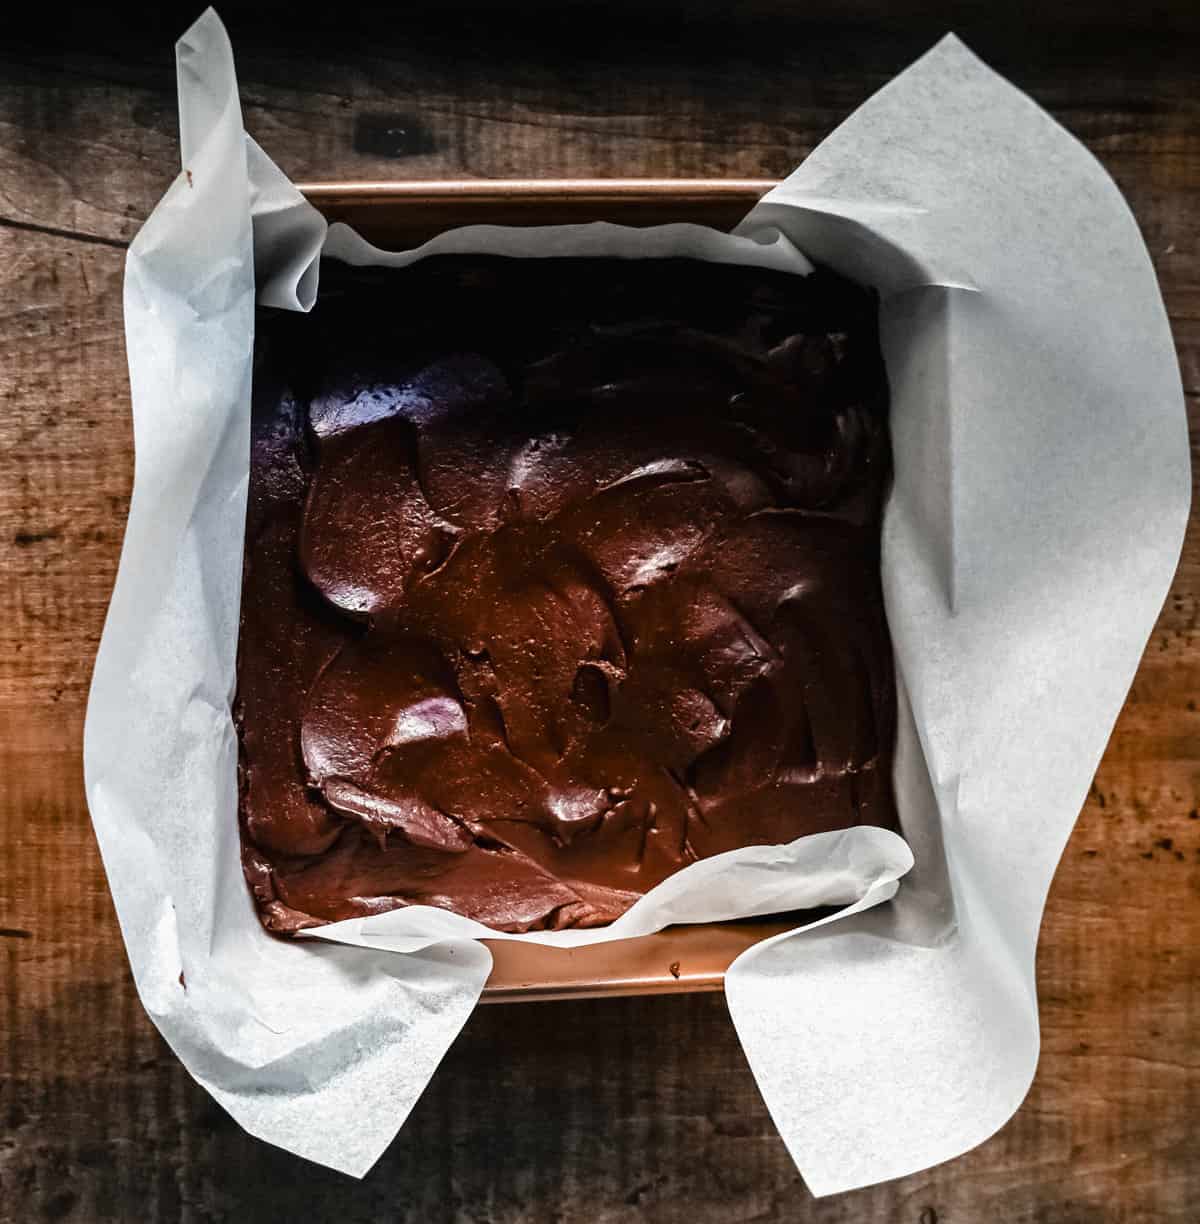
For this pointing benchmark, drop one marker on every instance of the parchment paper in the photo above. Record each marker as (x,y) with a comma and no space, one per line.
(1041,492)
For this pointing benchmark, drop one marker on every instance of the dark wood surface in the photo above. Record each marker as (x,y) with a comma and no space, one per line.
(599,1112)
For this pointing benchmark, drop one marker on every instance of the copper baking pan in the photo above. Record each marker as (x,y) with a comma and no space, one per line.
(399,215)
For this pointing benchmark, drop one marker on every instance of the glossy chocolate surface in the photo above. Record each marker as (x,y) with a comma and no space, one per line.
(560,574)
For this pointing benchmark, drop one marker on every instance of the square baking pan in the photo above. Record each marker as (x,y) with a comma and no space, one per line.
(396,216)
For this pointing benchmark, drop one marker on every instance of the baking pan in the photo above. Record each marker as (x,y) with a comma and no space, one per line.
(400,215)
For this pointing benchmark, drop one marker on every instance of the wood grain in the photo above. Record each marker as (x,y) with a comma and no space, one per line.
(625,1109)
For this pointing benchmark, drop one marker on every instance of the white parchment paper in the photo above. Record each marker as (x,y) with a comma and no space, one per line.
(1041,492)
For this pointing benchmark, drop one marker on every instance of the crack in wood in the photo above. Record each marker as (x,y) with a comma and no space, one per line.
(54,231)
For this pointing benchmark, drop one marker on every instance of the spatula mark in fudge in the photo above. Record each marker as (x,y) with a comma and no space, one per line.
(560,575)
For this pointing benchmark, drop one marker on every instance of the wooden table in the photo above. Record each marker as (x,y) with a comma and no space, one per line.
(627,1109)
